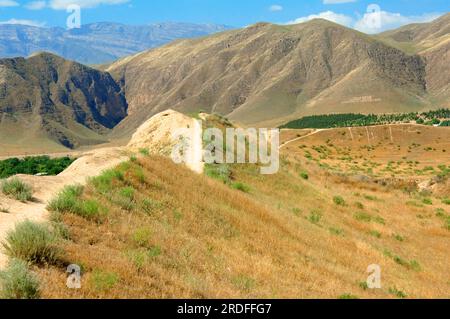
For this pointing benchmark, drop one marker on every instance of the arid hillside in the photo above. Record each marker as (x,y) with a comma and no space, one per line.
(432,42)
(267,74)
(148,228)
(47,102)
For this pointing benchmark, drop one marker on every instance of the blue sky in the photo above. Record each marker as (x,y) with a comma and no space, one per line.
(238,13)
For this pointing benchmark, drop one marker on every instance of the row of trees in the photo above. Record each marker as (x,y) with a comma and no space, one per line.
(34,165)
(437,117)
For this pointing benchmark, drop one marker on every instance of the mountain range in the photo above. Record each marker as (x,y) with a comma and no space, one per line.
(96,43)
(261,75)
(266,74)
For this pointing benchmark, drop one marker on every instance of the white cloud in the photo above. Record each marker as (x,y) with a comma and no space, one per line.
(36,5)
(63,4)
(373,22)
(376,22)
(24,22)
(8,3)
(275,8)
(337,1)
(327,15)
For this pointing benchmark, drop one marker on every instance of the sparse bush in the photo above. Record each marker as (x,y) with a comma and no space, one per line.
(359,205)
(33,243)
(103,281)
(142,237)
(149,206)
(144,151)
(446,201)
(375,233)
(315,217)
(69,201)
(336,231)
(220,172)
(154,252)
(304,175)
(241,187)
(427,201)
(339,200)
(398,237)
(17,189)
(363,217)
(17,282)
(244,283)
(398,293)
(124,197)
(104,182)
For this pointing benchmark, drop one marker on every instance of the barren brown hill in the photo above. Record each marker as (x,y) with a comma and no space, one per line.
(268,74)
(432,42)
(46,100)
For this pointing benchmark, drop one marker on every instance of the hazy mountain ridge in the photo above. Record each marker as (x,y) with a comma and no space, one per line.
(96,43)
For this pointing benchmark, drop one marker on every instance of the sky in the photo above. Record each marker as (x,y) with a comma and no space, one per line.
(370,16)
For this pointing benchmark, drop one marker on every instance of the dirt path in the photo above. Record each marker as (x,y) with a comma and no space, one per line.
(46,187)
(302,137)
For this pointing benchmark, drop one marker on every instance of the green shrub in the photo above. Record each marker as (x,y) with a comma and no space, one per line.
(144,151)
(33,243)
(17,282)
(241,187)
(304,175)
(104,281)
(446,201)
(154,252)
(359,205)
(17,189)
(150,206)
(338,200)
(104,182)
(398,293)
(142,237)
(124,197)
(336,231)
(315,217)
(375,233)
(427,201)
(69,201)
(220,172)
(363,217)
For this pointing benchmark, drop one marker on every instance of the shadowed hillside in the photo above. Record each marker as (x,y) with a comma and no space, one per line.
(46,101)
(432,42)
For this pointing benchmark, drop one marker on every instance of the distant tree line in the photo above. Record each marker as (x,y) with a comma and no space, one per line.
(34,165)
(439,117)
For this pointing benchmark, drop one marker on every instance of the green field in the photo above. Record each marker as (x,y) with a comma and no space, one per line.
(439,117)
(34,165)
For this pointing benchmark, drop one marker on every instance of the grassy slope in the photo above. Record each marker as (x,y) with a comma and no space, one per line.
(286,238)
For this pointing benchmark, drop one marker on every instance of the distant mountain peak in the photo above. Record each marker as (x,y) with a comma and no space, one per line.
(96,43)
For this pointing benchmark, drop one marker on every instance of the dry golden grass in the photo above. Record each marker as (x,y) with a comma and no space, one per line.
(286,238)
(381,151)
